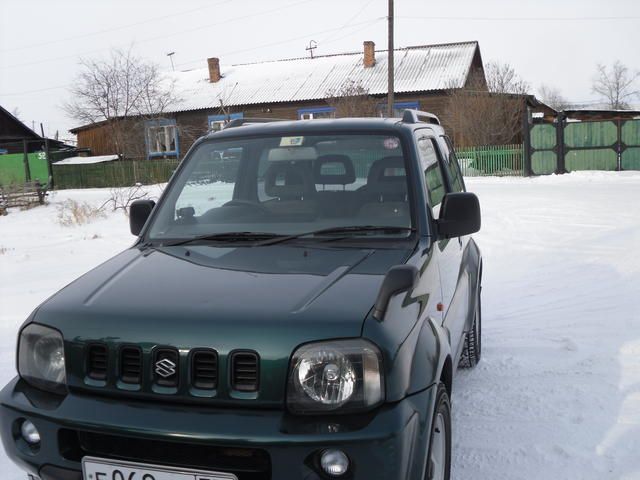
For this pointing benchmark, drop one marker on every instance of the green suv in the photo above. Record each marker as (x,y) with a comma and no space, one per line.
(295,307)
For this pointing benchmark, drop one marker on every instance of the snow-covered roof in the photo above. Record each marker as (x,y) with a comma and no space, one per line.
(417,69)
(87,160)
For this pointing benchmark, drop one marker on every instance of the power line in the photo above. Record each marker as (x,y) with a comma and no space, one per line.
(114,29)
(289,40)
(521,19)
(33,91)
(366,23)
(166,35)
(348,22)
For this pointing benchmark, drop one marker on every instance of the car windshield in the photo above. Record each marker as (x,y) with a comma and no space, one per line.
(288,185)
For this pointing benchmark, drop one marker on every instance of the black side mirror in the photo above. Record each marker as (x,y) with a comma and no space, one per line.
(138,214)
(400,278)
(459,215)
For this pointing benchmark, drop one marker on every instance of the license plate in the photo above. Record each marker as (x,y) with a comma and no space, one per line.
(102,469)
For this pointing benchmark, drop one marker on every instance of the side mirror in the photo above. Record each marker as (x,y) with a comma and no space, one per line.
(400,278)
(138,214)
(459,215)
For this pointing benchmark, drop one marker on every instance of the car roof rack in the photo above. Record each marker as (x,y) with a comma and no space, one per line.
(238,122)
(417,116)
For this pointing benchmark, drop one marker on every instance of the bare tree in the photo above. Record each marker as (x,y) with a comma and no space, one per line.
(121,91)
(502,78)
(553,97)
(352,100)
(16,113)
(617,86)
(480,117)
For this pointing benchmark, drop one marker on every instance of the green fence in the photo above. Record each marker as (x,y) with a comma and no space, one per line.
(566,146)
(12,168)
(118,173)
(494,160)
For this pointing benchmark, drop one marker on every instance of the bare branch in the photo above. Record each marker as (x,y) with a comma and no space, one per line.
(120,91)
(553,97)
(352,100)
(616,86)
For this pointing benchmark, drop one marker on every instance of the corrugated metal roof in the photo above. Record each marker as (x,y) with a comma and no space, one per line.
(417,69)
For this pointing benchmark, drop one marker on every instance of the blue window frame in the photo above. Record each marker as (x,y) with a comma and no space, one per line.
(316,112)
(161,138)
(217,122)
(398,108)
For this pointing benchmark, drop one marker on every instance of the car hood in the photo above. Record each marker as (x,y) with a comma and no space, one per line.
(266,299)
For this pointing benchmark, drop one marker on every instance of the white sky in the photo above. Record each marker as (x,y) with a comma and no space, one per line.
(557,42)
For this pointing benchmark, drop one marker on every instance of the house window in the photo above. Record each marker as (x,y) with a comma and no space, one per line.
(217,122)
(162,138)
(316,112)
(398,108)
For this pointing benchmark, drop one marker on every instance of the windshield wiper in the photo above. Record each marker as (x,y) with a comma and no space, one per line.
(226,237)
(343,231)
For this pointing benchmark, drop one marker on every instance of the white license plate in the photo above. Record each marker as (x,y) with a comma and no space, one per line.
(102,469)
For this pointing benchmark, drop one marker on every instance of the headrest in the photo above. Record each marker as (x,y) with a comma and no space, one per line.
(287,180)
(387,169)
(334,170)
(388,177)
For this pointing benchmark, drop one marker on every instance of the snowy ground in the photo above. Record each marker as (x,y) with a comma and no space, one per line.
(557,394)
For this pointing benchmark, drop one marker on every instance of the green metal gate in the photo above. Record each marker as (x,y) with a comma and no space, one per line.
(544,150)
(630,137)
(588,145)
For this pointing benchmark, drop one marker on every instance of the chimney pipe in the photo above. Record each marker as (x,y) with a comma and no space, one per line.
(369,54)
(214,69)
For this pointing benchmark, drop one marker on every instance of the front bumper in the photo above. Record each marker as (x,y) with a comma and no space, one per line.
(390,443)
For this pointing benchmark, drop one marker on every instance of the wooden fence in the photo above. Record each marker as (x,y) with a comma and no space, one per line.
(118,173)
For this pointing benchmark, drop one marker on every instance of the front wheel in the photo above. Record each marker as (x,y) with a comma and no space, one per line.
(439,457)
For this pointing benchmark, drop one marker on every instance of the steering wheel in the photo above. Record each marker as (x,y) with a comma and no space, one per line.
(247,203)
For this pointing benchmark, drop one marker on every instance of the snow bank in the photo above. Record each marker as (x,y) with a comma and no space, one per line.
(87,160)
(557,393)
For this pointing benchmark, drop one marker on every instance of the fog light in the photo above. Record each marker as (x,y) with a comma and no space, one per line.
(334,462)
(30,433)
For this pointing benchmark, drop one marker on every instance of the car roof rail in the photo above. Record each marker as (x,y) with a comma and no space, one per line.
(238,122)
(417,116)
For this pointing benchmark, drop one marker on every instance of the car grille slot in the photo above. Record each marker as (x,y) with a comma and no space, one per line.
(97,362)
(245,371)
(204,370)
(131,365)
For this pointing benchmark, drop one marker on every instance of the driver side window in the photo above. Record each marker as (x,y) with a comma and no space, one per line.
(433,177)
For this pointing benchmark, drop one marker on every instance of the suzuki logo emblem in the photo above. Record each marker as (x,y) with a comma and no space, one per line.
(165,368)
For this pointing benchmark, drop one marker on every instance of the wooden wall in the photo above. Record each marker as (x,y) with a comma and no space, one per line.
(193,124)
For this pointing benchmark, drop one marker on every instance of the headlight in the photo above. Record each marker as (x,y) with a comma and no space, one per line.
(340,375)
(41,358)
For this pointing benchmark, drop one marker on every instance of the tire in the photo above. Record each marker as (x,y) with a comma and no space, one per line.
(439,454)
(472,350)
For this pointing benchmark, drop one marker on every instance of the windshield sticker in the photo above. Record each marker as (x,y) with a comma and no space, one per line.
(291,141)
(391,143)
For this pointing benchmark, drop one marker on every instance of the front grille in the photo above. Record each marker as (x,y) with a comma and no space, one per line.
(200,373)
(244,371)
(97,361)
(204,369)
(131,365)
(245,463)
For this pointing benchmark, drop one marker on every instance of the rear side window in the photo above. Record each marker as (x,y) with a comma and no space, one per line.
(432,172)
(453,168)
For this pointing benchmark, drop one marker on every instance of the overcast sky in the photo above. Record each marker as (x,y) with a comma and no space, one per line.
(556,42)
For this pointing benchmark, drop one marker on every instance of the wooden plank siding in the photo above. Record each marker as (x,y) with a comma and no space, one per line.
(194,124)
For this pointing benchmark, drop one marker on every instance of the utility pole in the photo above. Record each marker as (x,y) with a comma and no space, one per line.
(170,55)
(390,64)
